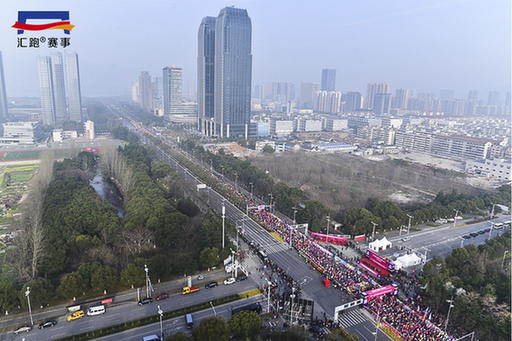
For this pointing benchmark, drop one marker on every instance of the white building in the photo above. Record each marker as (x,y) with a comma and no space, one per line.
(22,132)
(498,169)
(89,130)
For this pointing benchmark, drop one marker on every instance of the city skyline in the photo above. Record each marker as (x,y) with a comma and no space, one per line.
(468,48)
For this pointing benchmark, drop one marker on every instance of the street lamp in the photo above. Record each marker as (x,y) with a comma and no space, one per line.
(147,280)
(161,313)
(252,187)
(409,226)
(373,232)
(503,261)
(27,293)
(236,180)
(214,312)
(294,213)
(448,316)
(271,197)
(222,172)
(455,218)
(492,212)
(328,221)
(223,217)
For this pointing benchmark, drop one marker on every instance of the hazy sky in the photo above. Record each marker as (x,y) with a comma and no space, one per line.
(423,45)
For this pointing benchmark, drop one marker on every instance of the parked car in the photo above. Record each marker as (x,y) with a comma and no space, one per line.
(146,300)
(22,329)
(76,315)
(474,234)
(481,232)
(211,285)
(47,324)
(162,297)
(229,281)
(200,277)
(404,239)
(466,236)
(241,278)
(487,229)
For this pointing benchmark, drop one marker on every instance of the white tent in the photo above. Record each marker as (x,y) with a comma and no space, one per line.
(380,244)
(408,260)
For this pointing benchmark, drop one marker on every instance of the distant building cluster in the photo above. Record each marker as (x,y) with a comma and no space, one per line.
(56,107)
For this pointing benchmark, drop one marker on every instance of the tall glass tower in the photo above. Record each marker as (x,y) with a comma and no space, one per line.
(3,96)
(73,83)
(59,89)
(206,75)
(44,70)
(328,80)
(233,72)
(172,86)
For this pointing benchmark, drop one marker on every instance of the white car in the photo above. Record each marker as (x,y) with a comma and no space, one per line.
(229,281)
(200,277)
(404,239)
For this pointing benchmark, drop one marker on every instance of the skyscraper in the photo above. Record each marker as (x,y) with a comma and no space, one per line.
(473,95)
(372,90)
(328,80)
(382,103)
(145,91)
(73,83)
(172,86)
(354,101)
(206,75)
(494,98)
(307,94)
(401,98)
(44,70)
(3,95)
(233,72)
(59,88)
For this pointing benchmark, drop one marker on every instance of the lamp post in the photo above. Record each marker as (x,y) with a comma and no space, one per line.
(271,197)
(222,167)
(492,212)
(223,217)
(211,165)
(27,293)
(328,221)
(373,232)
(161,313)
(455,218)
(236,180)
(448,316)
(503,261)
(409,226)
(213,308)
(252,187)
(147,280)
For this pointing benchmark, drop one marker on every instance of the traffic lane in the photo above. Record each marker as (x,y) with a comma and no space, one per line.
(172,326)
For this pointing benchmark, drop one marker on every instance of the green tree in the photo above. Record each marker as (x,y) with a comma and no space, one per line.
(133,275)
(245,324)
(268,149)
(104,278)
(179,336)
(161,169)
(212,329)
(72,285)
(9,299)
(209,257)
(41,292)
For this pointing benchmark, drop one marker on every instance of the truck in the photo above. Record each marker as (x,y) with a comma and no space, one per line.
(188,290)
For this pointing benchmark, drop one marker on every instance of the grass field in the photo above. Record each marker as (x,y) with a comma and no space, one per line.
(36,154)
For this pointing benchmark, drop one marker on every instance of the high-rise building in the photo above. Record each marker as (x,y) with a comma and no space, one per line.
(473,95)
(372,90)
(44,70)
(145,91)
(354,101)
(328,80)
(494,98)
(401,98)
(59,88)
(73,83)
(308,94)
(3,95)
(233,72)
(135,91)
(172,86)
(382,103)
(206,75)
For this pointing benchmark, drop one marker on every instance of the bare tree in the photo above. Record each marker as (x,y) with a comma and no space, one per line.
(138,239)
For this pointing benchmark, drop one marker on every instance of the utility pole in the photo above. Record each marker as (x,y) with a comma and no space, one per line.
(455,218)
(161,313)
(492,212)
(373,232)
(448,316)
(409,226)
(223,217)
(147,280)
(271,197)
(252,187)
(27,293)
(328,221)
